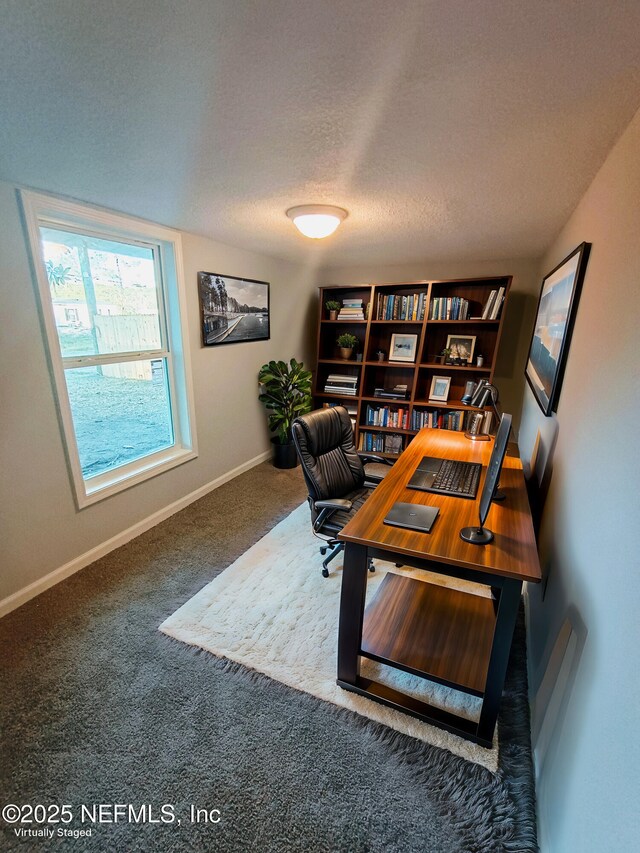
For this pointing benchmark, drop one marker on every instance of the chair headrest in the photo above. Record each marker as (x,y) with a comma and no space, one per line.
(324,429)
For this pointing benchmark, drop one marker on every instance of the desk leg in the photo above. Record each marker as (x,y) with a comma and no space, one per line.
(354,588)
(503,635)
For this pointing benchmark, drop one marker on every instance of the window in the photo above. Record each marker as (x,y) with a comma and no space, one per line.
(112,302)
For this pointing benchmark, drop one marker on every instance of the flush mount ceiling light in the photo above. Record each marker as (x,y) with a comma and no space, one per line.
(316,220)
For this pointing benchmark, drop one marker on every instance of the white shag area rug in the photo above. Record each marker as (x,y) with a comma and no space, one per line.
(273,612)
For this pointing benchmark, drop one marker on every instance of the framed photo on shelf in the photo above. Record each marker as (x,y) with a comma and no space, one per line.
(232,310)
(439,391)
(403,347)
(461,346)
(551,336)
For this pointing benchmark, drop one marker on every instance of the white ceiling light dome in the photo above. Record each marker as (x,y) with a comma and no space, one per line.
(316,220)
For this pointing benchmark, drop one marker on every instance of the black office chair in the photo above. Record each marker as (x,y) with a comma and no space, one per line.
(335,474)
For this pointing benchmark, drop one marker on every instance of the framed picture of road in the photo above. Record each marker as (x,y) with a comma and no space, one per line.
(552,330)
(232,310)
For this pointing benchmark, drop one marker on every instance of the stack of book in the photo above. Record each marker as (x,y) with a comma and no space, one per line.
(449,308)
(395,307)
(383,416)
(491,307)
(351,310)
(398,392)
(338,383)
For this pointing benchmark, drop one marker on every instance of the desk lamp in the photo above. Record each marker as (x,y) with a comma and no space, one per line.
(479,396)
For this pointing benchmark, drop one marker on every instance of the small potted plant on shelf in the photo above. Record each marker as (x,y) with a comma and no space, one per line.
(286,393)
(332,307)
(347,343)
(445,356)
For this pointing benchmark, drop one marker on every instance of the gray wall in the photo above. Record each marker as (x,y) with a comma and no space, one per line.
(40,528)
(518,320)
(588,764)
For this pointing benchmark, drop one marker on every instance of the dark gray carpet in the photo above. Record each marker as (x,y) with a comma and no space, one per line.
(99,707)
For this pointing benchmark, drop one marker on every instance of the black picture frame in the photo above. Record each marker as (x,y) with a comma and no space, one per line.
(551,336)
(233,310)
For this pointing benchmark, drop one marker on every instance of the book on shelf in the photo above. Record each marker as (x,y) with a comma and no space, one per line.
(384,416)
(343,377)
(479,422)
(352,410)
(391,306)
(492,305)
(380,443)
(351,310)
(340,383)
(340,389)
(449,308)
(456,420)
(398,392)
(495,308)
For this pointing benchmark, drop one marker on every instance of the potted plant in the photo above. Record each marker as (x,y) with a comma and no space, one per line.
(332,307)
(347,343)
(446,355)
(286,393)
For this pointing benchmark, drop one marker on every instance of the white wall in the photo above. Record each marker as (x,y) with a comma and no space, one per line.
(518,319)
(590,551)
(40,528)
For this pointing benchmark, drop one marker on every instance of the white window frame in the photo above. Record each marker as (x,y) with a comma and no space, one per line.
(42,210)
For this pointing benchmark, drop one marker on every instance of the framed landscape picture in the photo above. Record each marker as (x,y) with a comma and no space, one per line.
(403,347)
(553,326)
(232,310)
(439,390)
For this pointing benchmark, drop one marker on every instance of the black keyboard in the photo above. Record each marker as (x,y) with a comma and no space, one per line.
(457,478)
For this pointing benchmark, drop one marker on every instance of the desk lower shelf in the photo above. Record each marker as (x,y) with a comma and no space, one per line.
(430,630)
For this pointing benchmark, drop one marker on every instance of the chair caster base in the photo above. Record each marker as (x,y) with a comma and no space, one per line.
(323,551)
(325,573)
(372,568)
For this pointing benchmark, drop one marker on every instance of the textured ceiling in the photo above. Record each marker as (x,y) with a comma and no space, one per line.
(447,129)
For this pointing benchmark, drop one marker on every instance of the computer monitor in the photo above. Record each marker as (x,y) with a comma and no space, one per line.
(480,535)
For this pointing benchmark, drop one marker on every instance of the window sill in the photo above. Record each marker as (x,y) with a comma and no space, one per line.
(112,482)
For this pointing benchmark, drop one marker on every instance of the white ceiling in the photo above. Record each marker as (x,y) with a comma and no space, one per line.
(447,129)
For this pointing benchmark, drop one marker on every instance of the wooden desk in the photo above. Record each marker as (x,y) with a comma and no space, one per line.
(445,635)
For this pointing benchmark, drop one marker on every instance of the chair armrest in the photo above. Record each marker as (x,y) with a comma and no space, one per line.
(371,457)
(327,508)
(335,503)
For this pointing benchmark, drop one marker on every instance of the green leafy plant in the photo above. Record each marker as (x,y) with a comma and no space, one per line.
(332,305)
(347,341)
(57,275)
(286,393)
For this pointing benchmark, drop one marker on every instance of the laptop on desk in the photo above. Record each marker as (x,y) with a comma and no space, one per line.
(446,477)
(412,516)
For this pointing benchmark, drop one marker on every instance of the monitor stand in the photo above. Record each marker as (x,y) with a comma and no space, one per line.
(476,535)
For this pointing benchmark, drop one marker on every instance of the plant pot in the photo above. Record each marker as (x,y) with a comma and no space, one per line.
(333,315)
(346,352)
(284,455)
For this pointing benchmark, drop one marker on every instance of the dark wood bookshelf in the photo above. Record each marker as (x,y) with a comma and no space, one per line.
(431,336)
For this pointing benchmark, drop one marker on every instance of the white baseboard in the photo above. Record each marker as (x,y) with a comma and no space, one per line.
(33,589)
